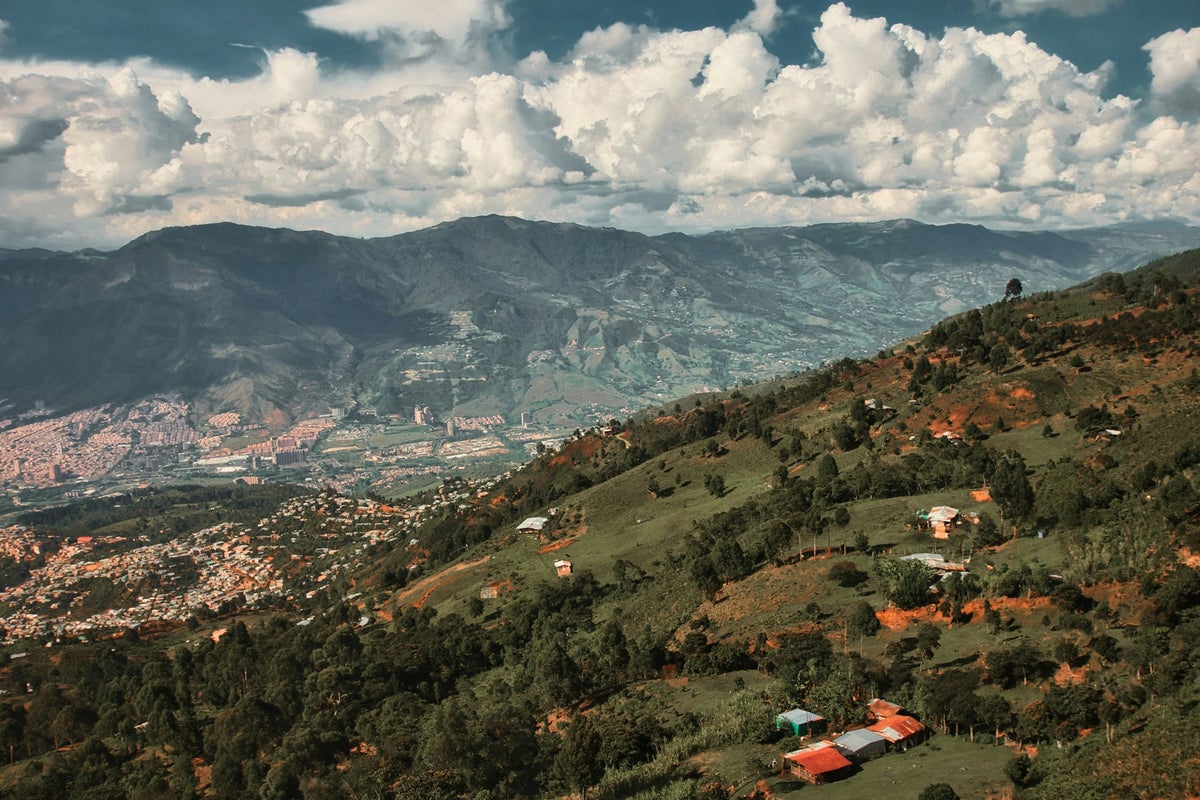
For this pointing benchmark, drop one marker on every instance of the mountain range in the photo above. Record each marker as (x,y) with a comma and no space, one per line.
(497,315)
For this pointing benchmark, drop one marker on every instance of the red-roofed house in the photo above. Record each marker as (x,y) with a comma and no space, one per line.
(901,731)
(820,763)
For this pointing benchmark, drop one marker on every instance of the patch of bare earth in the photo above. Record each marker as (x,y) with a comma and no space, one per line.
(1015,403)
(425,587)
(897,619)
(742,604)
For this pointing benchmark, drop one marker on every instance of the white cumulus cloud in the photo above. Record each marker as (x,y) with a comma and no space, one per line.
(1175,64)
(460,25)
(635,127)
(763,18)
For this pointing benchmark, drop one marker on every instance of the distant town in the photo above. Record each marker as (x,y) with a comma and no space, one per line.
(46,457)
(103,584)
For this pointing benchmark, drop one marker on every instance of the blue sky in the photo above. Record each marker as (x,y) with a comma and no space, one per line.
(371,117)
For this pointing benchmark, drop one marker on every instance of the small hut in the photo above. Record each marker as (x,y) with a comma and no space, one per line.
(799,722)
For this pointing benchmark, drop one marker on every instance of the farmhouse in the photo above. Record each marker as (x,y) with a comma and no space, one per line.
(562,567)
(818,763)
(901,731)
(940,520)
(533,525)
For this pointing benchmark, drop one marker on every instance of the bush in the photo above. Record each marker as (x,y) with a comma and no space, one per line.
(938,791)
(846,574)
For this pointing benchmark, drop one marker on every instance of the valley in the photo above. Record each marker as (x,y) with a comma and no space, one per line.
(992,526)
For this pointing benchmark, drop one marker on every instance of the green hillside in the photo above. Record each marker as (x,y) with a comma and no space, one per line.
(732,557)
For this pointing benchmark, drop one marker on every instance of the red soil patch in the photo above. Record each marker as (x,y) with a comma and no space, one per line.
(1125,598)
(1065,676)
(579,450)
(425,587)
(1013,605)
(896,619)
(559,544)
(1014,404)
(203,773)
(983,495)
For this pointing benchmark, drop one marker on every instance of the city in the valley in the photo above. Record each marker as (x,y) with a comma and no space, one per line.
(46,457)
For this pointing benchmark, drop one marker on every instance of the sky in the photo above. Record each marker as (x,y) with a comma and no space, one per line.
(376,117)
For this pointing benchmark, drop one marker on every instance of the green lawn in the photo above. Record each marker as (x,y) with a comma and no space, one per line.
(974,770)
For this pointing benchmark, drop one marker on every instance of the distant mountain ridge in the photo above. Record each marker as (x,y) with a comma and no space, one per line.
(502,315)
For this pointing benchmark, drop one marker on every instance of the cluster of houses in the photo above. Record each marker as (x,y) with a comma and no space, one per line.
(890,728)
(539,527)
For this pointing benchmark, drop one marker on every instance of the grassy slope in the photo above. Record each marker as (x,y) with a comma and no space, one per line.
(621,520)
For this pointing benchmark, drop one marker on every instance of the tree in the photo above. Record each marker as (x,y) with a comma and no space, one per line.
(845,437)
(1010,487)
(1018,769)
(928,638)
(938,791)
(555,671)
(705,576)
(861,621)
(846,574)
(995,710)
(991,617)
(1013,289)
(827,469)
(1091,420)
(577,763)
(987,532)
(906,582)
(998,357)
(715,484)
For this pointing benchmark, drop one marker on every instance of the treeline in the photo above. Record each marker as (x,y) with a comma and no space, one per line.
(181,508)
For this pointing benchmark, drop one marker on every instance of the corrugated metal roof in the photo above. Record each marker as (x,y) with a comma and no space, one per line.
(819,760)
(897,728)
(798,716)
(857,739)
(882,708)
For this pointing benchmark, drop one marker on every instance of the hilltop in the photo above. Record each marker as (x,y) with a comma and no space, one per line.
(732,555)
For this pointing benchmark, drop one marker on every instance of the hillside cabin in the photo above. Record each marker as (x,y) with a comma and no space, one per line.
(563,568)
(819,763)
(939,520)
(533,525)
(861,745)
(901,731)
(799,722)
